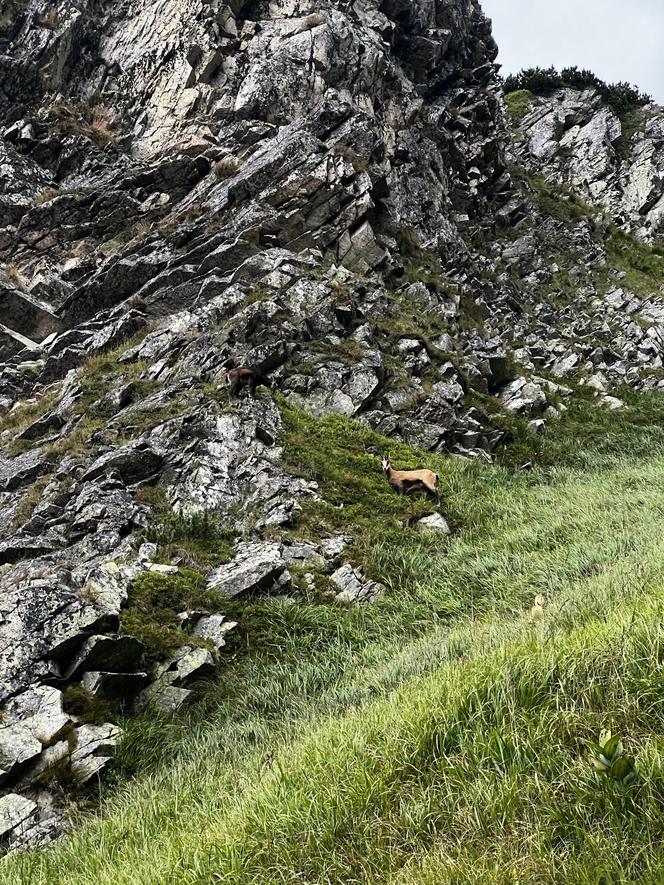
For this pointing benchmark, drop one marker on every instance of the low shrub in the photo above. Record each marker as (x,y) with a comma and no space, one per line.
(621,97)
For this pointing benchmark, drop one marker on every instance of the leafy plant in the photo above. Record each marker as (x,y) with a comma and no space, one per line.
(609,761)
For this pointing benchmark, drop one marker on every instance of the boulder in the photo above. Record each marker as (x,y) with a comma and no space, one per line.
(92,750)
(213,628)
(39,711)
(256,568)
(17,814)
(18,748)
(133,462)
(15,472)
(354,587)
(523,397)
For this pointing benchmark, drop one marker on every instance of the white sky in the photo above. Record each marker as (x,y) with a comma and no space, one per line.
(616,39)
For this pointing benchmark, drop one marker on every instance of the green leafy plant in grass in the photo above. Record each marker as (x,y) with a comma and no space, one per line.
(609,762)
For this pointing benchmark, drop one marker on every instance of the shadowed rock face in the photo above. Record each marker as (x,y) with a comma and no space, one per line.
(320,190)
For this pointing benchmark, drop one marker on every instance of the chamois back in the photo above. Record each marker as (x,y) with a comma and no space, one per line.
(406,481)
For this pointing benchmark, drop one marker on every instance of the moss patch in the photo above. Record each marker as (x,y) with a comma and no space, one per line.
(519,103)
(155,600)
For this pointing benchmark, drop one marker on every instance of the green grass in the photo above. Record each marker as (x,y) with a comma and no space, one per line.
(519,103)
(155,600)
(437,735)
(643,265)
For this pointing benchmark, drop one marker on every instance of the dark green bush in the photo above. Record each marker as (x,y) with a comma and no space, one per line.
(621,97)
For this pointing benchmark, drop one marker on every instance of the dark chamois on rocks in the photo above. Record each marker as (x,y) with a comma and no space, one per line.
(247,377)
(406,481)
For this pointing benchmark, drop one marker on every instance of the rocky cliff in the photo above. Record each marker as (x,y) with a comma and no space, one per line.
(331,191)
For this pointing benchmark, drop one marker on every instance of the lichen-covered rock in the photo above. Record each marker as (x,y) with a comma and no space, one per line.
(435,522)
(18,747)
(574,138)
(256,568)
(354,587)
(17,814)
(93,750)
(39,710)
(41,626)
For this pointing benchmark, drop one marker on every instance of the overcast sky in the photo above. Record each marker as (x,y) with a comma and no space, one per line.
(617,39)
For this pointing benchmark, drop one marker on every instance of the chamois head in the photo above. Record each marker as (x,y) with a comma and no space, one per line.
(386,463)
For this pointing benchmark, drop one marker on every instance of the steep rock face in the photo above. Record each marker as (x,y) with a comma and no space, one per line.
(573,138)
(381,112)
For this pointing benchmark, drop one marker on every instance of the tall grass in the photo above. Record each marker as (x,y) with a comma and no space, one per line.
(436,735)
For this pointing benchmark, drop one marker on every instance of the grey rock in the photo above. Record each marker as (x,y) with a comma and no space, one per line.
(214,629)
(93,750)
(354,587)
(15,472)
(17,814)
(134,462)
(39,711)
(108,652)
(256,568)
(433,523)
(18,748)
(523,397)
(42,624)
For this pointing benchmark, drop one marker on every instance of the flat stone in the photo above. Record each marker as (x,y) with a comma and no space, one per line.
(256,568)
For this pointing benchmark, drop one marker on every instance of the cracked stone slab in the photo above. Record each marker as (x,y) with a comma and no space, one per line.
(256,568)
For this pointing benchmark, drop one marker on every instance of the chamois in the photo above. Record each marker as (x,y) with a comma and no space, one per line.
(248,377)
(537,611)
(406,481)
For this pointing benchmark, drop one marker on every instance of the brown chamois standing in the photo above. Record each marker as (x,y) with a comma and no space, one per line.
(247,377)
(406,481)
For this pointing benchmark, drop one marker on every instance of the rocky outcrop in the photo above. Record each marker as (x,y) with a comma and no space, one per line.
(572,137)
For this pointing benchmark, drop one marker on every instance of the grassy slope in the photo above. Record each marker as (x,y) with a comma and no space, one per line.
(435,736)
